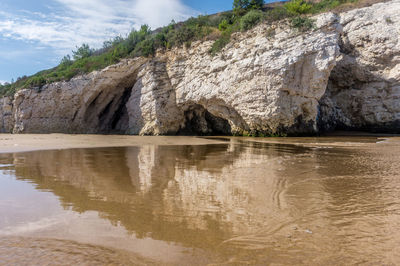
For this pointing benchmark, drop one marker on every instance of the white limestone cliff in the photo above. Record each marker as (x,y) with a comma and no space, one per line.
(345,73)
(364,87)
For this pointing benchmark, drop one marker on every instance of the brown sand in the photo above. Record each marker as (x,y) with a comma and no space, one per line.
(10,143)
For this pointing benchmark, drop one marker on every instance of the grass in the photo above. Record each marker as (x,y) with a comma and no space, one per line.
(144,42)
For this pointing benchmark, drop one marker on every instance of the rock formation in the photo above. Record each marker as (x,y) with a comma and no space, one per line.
(6,114)
(364,88)
(273,79)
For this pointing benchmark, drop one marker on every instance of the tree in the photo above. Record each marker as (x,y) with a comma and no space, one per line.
(82,52)
(66,60)
(256,4)
(242,6)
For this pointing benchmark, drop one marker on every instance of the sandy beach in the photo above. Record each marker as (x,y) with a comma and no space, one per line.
(10,143)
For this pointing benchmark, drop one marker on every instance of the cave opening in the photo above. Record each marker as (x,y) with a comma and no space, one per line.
(114,118)
(107,112)
(200,122)
(120,119)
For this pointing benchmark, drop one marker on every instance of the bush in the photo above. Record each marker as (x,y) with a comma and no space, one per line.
(225,38)
(160,40)
(325,5)
(219,44)
(145,48)
(241,6)
(297,7)
(277,13)
(38,81)
(136,37)
(302,23)
(200,21)
(66,61)
(215,20)
(252,18)
(389,20)
(184,34)
(82,52)
(223,25)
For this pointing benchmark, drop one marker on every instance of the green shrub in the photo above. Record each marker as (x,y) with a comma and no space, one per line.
(223,25)
(389,20)
(225,38)
(136,37)
(82,52)
(66,61)
(325,5)
(145,48)
(256,4)
(277,13)
(297,7)
(302,23)
(252,18)
(215,20)
(219,44)
(38,81)
(241,6)
(200,21)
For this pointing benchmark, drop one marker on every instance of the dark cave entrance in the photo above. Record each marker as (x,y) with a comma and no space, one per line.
(114,118)
(200,122)
(107,113)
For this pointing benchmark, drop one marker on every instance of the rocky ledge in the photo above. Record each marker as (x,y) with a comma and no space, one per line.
(343,74)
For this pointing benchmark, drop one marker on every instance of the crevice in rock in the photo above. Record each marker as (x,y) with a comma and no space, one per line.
(74,116)
(105,112)
(120,119)
(200,122)
(92,107)
(114,116)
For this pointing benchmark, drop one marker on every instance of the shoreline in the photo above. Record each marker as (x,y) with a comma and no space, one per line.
(14,143)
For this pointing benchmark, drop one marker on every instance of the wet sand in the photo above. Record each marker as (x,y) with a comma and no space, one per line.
(10,143)
(42,251)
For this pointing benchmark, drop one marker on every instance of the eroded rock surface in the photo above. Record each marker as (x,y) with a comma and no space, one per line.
(6,117)
(272,79)
(364,88)
(94,103)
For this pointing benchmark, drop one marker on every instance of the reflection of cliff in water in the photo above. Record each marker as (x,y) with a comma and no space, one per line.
(166,192)
(196,195)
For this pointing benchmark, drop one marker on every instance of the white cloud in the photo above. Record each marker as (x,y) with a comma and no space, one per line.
(158,13)
(89,21)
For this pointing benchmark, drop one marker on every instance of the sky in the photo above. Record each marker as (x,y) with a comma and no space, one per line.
(36,34)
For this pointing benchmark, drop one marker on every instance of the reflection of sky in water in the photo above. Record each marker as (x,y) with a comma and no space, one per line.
(240,200)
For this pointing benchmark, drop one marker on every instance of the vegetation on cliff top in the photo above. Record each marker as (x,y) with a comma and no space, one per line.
(144,42)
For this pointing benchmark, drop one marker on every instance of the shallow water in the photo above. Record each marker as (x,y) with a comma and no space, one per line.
(315,201)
